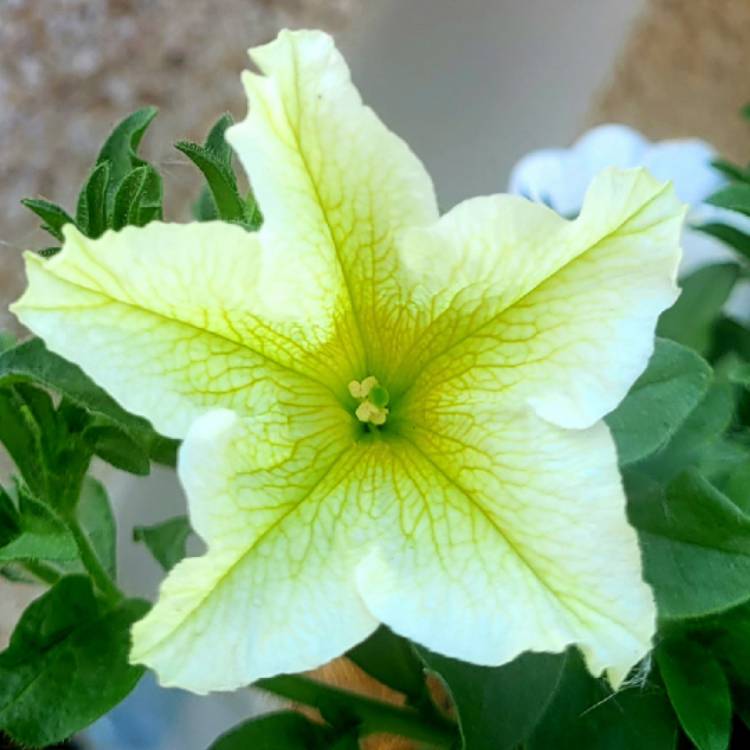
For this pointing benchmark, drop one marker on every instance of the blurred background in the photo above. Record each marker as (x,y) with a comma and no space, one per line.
(472,85)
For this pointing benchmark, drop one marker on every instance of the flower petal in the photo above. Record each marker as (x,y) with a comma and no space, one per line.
(174,320)
(509,535)
(276,500)
(333,182)
(556,313)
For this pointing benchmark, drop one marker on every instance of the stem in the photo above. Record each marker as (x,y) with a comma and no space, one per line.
(374,716)
(42,571)
(96,570)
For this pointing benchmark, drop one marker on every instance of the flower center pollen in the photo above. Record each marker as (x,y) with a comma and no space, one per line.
(373,399)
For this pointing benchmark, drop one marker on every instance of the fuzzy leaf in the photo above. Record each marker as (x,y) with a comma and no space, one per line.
(54,217)
(166,540)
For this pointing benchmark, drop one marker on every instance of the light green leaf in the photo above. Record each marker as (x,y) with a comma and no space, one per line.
(695,542)
(31,361)
(286,730)
(166,540)
(498,707)
(691,319)
(66,664)
(698,690)
(95,516)
(658,403)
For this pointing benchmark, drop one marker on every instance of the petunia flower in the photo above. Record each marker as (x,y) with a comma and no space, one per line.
(388,417)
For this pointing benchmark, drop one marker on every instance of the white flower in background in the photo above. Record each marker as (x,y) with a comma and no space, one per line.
(559,177)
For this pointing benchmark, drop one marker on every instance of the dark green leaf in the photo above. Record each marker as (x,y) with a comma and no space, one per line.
(696,545)
(734,197)
(95,516)
(732,171)
(392,660)
(204,209)
(737,487)
(704,426)
(117,447)
(729,236)
(138,199)
(585,715)
(220,178)
(216,141)
(91,211)
(42,535)
(498,707)
(698,690)
(67,663)
(31,361)
(10,523)
(672,385)
(166,540)
(286,730)
(54,217)
(120,149)
(691,319)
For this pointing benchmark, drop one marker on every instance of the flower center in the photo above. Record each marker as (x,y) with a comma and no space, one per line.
(373,399)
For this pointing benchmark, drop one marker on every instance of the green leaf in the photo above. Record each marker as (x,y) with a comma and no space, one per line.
(672,385)
(695,543)
(54,217)
(91,211)
(120,148)
(498,707)
(728,235)
(216,141)
(703,428)
(117,447)
(730,170)
(204,209)
(737,487)
(138,199)
(166,541)
(95,516)
(698,690)
(734,197)
(585,715)
(42,534)
(67,663)
(10,523)
(220,178)
(285,730)
(31,361)
(7,340)
(392,660)
(691,319)
(27,427)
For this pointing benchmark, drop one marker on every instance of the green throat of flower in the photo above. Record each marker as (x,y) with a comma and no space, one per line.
(373,400)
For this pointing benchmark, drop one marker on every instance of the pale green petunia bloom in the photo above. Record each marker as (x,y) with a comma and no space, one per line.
(387,416)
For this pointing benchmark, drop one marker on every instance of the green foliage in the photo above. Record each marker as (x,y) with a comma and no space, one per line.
(286,730)
(122,189)
(66,663)
(699,691)
(673,384)
(498,708)
(690,321)
(221,197)
(33,362)
(167,541)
